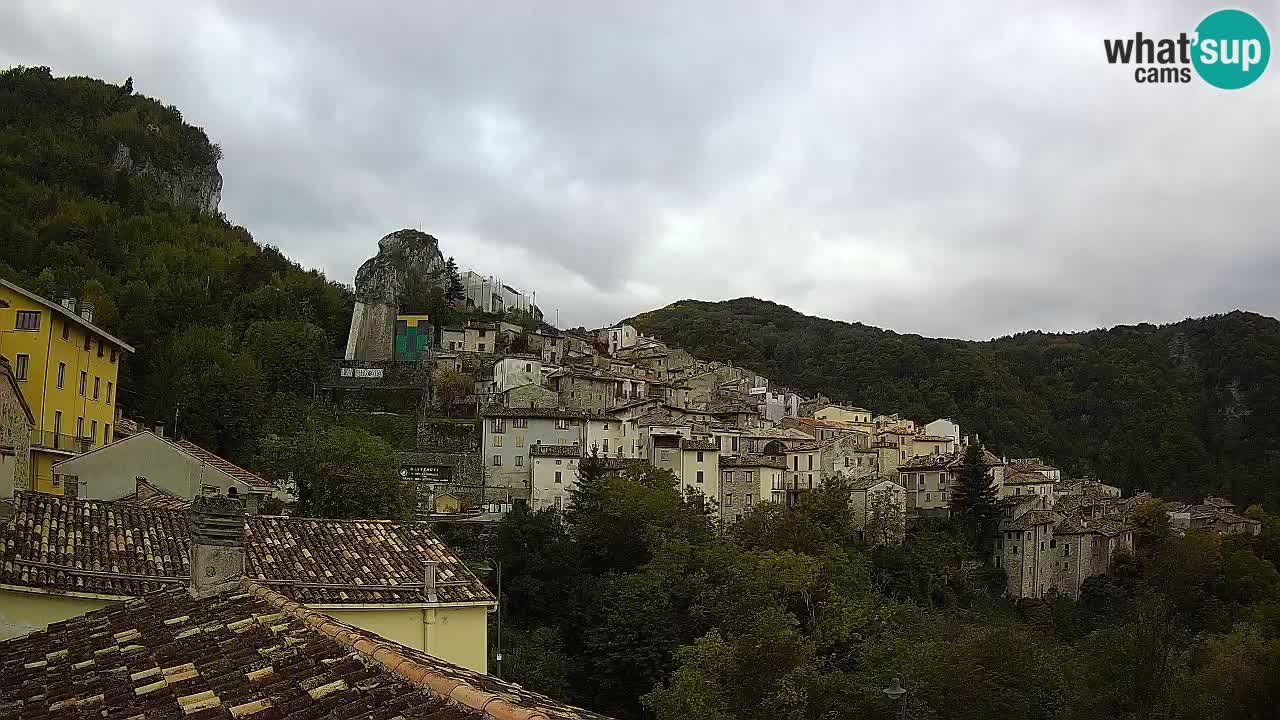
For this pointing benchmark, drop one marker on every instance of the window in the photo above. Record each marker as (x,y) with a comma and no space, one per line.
(57,480)
(84,382)
(1015,549)
(664,455)
(557,461)
(80,427)
(519,461)
(93,433)
(728,499)
(699,456)
(232,492)
(810,461)
(497,460)
(528,367)
(27,320)
(1053,544)
(57,424)
(795,462)
(497,441)
(747,501)
(106,435)
(1041,546)
(562,424)
(558,476)
(699,476)
(97,387)
(62,374)
(66,330)
(108,391)
(497,425)
(520,422)
(21,366)
(605,446)
(846,462)
(559,503)
(481,347)
(519,441)
(1066,549)
(113,354)
(88,341)
(928,497)
(100,348)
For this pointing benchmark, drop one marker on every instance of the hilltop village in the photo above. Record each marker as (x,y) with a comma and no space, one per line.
(508,412)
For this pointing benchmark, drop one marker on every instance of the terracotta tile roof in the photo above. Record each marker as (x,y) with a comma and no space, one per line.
(225,466)
(1032,518)
(935,438)
(942,460)
(250,654)
(147,495)
(101,547)
(1016,475)
(698,445)
(542,413)
(93,546)
(752,461)
(334,561)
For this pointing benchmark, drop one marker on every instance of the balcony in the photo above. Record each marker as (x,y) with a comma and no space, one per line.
(47,440)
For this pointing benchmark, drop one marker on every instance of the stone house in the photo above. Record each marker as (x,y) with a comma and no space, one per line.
(1041,550)
(480,337)
(749,479)
(516,370)
(878,510)
(530,395)
(16,422)
(453,339)
(510,433)
(845,414)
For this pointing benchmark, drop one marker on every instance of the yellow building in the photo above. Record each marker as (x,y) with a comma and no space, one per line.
(69,370)
(68,556)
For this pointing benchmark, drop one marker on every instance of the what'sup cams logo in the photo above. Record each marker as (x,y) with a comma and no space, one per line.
(1229,49)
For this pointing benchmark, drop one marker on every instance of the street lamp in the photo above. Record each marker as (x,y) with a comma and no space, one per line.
(491,566)
(896,691)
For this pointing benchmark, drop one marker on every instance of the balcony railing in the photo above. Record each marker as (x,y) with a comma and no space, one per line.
(48,440)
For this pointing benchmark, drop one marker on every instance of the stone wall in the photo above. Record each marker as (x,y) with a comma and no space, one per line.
(15,435)
(445,435)
(738,483)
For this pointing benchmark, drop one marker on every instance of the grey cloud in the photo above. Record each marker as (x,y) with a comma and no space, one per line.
(955,170)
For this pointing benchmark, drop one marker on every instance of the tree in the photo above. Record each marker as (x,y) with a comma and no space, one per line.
(455,293)
(450,386)
(1151,527)
(341,473)
(885,523)
(974,499)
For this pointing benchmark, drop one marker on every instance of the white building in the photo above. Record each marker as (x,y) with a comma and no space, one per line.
(515,370)
(944,427)
(489,294)
(555,474)
(621,337)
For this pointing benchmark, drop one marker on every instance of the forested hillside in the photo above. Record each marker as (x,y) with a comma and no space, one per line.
(1180,409)
(230,334)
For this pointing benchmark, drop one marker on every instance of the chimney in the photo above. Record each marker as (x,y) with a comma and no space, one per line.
(217,545)
(430,581)
(69,303)
(86,311)
(160,429)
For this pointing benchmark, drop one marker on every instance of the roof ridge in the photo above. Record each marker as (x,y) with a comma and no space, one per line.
(385,653)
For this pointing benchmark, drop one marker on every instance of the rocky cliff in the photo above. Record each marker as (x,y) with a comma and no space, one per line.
(380,285)
(200,188)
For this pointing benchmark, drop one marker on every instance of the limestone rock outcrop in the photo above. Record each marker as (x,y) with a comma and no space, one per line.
(380,285)
(200,188)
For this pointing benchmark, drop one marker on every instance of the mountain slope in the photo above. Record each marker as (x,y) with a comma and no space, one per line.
(111,197)
(1181,409)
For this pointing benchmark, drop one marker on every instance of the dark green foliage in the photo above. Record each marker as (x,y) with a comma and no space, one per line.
(232,336)
(1181,410)
(341,473)
(974,500)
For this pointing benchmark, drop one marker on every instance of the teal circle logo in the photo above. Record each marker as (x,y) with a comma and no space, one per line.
(1232,49)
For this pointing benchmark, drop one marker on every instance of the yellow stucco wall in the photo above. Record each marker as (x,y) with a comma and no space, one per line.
(46,350)
(22,613)
(458,635)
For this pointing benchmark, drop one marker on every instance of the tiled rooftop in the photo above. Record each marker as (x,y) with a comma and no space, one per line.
(698,445)
(752,461)
(225,466)
(250,655)
(104,548)
(556,450)
(147,495)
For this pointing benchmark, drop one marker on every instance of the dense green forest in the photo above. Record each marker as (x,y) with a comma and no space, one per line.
(1180,410)
(231,335)
(638,604)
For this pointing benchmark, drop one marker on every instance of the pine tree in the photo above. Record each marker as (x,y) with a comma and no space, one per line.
(974,500)
(454,292)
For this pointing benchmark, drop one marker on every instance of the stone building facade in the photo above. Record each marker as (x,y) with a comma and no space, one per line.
(16,421)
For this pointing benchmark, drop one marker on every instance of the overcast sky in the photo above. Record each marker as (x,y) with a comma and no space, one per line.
(955,169)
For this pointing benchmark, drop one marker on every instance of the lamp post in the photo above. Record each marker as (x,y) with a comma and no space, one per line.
(496,566)
(896,691)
